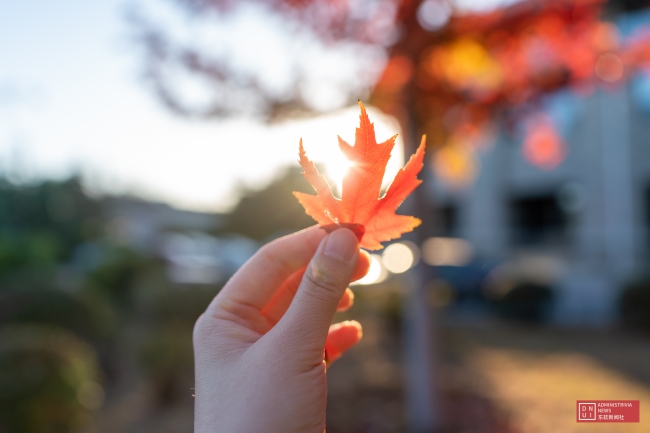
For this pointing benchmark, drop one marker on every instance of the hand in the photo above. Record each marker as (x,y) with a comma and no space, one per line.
(260,346)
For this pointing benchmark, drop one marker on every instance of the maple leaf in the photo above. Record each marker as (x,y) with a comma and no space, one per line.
(371,217)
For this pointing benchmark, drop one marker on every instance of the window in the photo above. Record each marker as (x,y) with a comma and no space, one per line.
(537,220)
(446,221)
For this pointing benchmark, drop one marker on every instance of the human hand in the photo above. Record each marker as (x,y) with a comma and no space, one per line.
(260,346)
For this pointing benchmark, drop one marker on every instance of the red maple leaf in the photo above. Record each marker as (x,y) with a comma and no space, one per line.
(372,218)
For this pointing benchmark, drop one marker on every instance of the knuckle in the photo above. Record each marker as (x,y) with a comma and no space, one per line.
(324,281)
(265,249)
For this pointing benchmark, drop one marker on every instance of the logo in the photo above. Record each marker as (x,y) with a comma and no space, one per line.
(607,410)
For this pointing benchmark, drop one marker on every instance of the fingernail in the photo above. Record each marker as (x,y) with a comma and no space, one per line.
(342,245)
(359,328)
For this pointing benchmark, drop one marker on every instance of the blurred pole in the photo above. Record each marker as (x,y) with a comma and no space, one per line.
(418,334)
(617,182)
(419,348)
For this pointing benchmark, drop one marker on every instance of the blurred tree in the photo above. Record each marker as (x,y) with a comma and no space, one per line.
(41,224)
(180,66)
(480,48)
(271,211)
(49,305)
(171,305)
(117,276)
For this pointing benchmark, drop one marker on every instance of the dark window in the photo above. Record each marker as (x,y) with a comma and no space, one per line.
(537,220)
(446,221)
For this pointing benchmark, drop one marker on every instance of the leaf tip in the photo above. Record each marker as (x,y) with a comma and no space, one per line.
(362,107)
(364,120)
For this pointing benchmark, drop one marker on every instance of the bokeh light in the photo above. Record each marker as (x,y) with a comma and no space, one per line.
(609,68)
(376,273)
(455,165)
(433,14)
(466,66)
(447,252)
(543,147)
(400,257)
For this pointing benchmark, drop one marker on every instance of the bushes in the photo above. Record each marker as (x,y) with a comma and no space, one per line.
(48,380)
(55,307)
(116,277)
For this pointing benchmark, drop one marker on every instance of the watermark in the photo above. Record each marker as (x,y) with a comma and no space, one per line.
(607,410)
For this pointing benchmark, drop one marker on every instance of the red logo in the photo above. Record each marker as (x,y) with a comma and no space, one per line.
(607,410)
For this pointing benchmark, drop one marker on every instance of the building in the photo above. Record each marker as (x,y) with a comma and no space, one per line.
(580,226)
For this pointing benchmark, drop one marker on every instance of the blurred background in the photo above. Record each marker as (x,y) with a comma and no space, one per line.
(148,148)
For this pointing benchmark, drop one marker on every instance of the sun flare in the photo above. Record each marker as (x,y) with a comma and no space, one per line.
(320,142)
(335,171)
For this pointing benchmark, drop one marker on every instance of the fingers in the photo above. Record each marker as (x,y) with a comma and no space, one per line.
(362,266)
(326,279)
(255,283)
(277,306)
(346,301)
(341,337)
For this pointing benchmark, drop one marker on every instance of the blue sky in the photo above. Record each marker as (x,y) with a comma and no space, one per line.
(72,100)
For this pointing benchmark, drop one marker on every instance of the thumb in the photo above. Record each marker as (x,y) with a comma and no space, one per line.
(310,314)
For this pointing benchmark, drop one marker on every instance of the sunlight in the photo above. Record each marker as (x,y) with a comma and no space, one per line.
(319,138)
(335,170)
(204,172)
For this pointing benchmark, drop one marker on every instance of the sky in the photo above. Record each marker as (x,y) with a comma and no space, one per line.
(72,100)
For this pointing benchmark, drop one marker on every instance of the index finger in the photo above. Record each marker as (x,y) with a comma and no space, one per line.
(255,283)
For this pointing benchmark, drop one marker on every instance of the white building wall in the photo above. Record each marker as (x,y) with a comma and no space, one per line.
(608,166)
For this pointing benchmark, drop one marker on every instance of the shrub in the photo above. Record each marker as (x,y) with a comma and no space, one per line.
(50,306)
(48,380)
